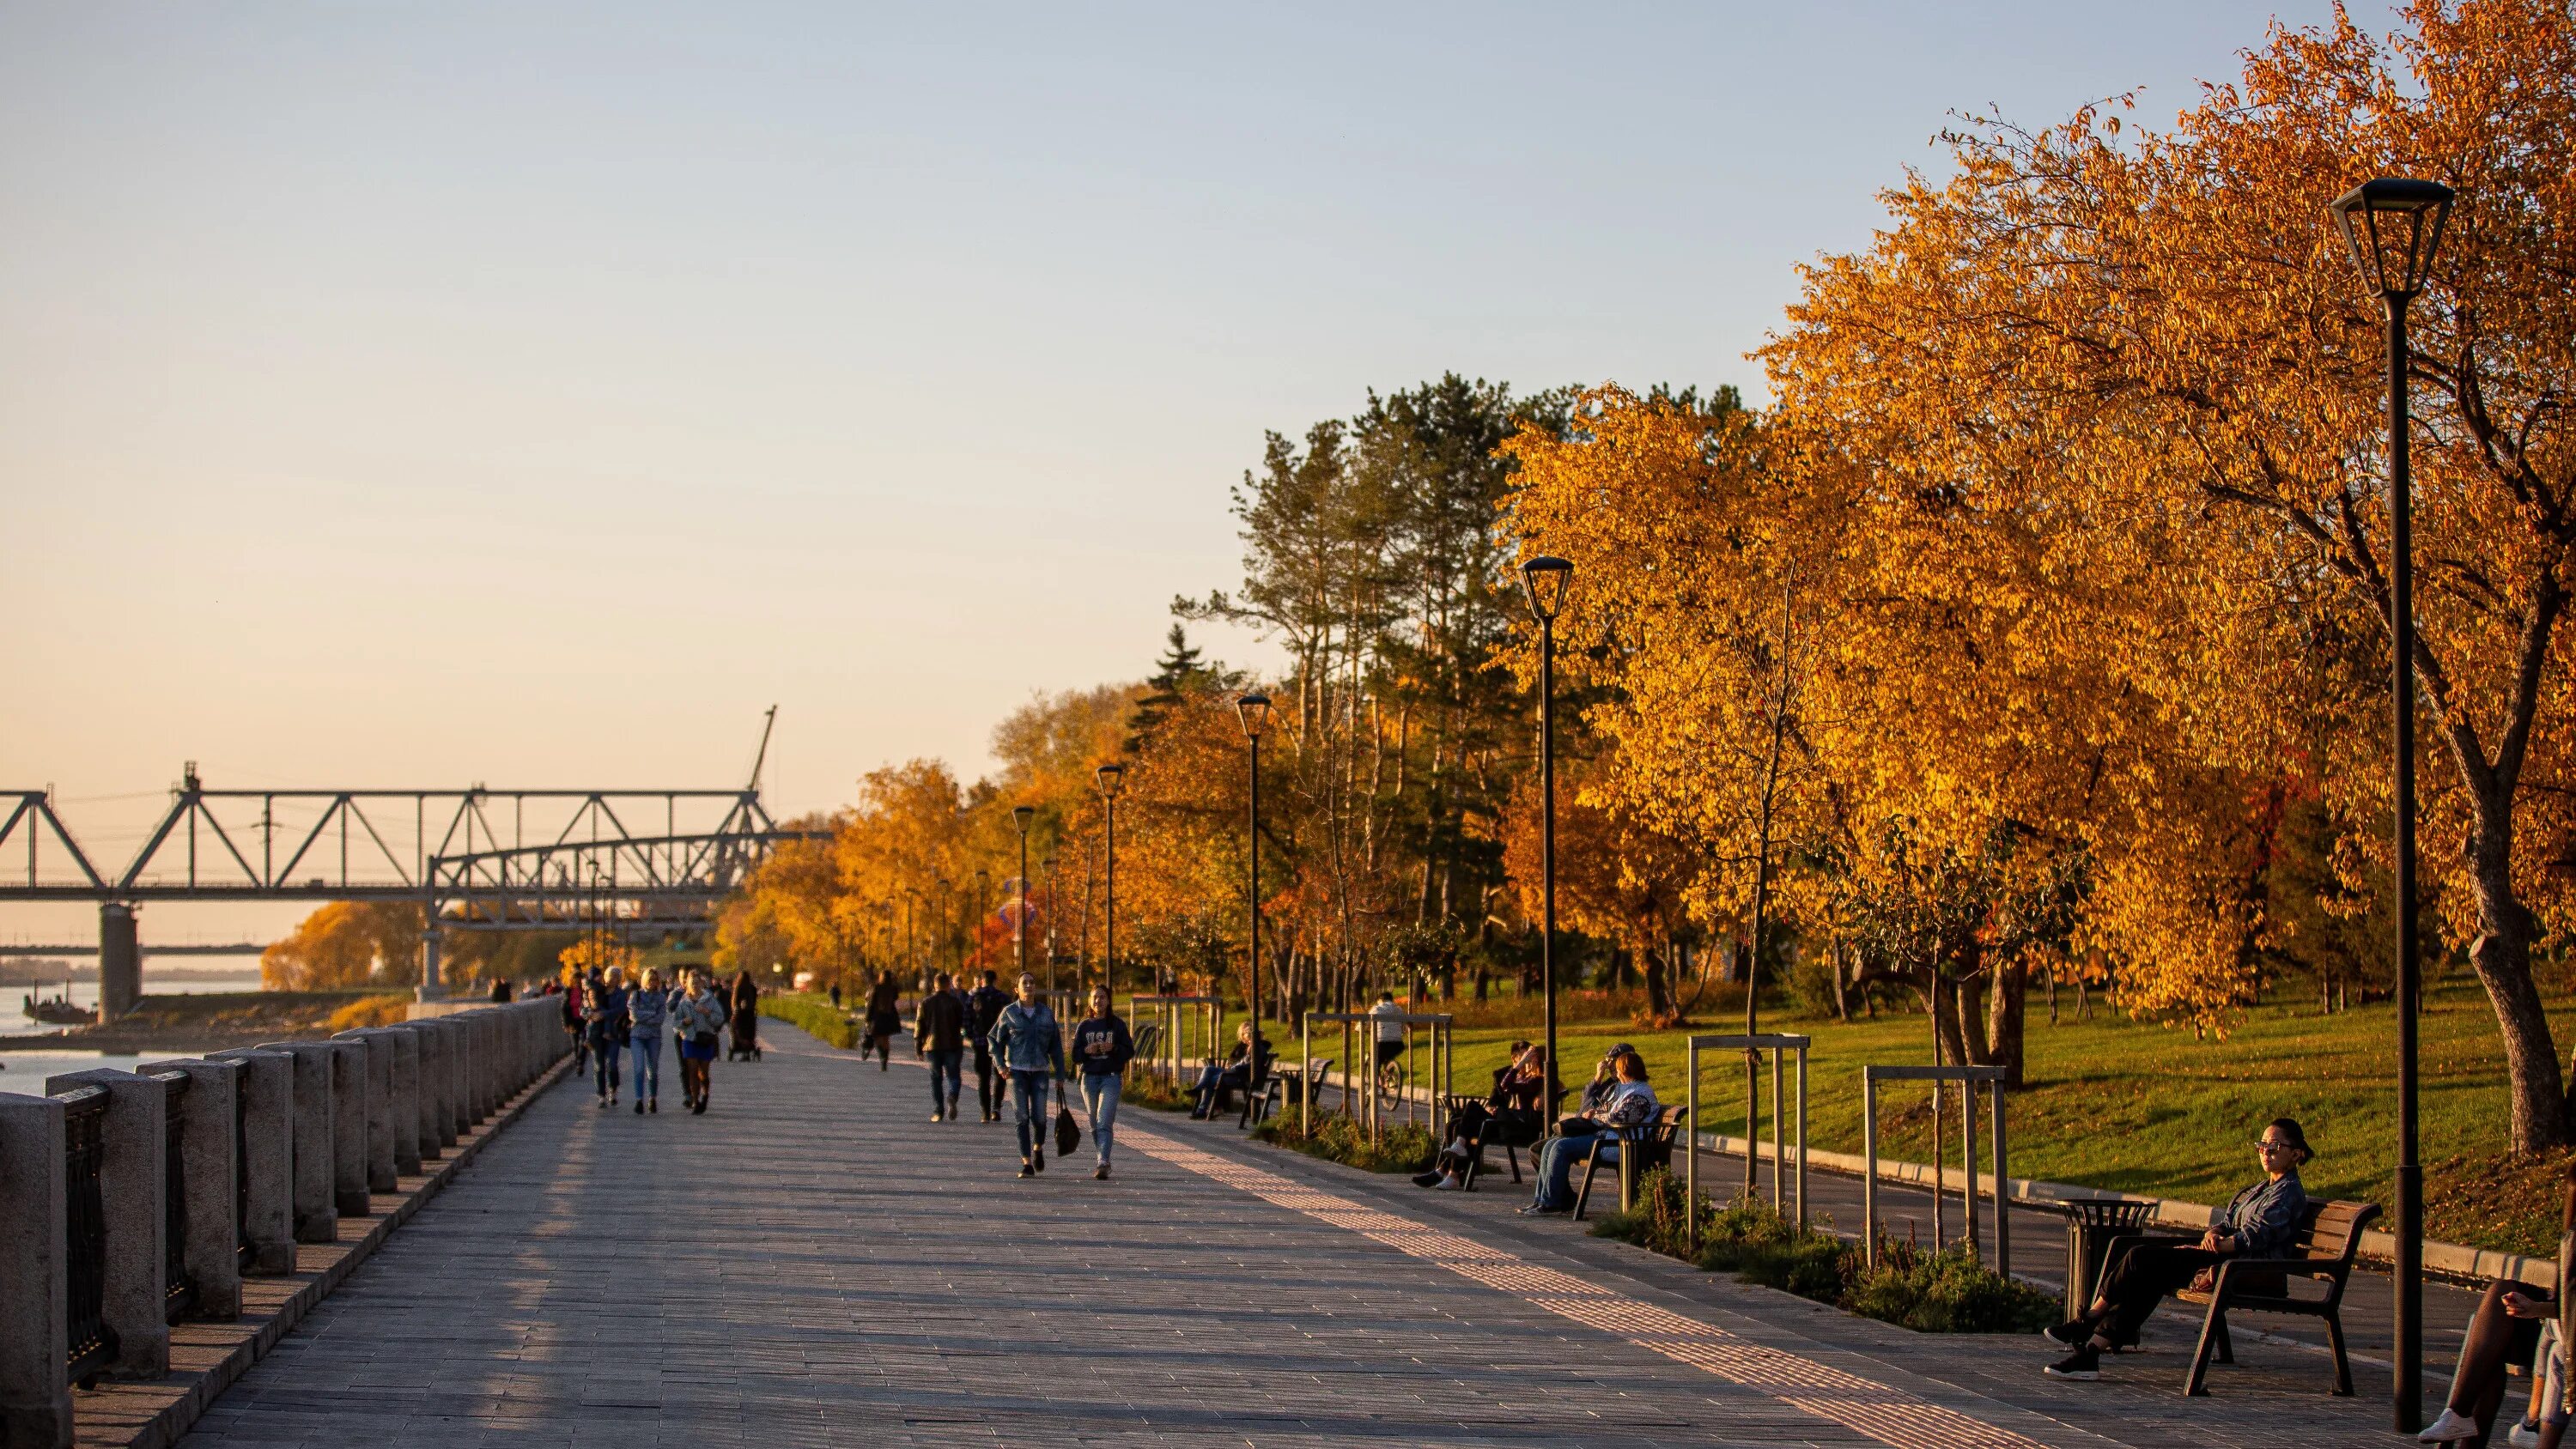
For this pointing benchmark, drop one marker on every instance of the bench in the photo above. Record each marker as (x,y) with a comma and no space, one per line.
(1647,1145)
(2329,1234)
(1281,1091)
(1508,1133)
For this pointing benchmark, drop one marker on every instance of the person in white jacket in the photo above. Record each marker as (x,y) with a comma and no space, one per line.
(697,1018)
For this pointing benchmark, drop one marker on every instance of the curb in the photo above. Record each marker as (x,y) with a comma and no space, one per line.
(182,1403)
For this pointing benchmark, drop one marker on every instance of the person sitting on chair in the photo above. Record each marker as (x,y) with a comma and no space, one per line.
(1247,1064)
(2260,1222)
(1518,1085)
(1630,1104)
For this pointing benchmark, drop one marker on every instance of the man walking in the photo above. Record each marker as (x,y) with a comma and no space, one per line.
(1031,1048)
(983,1008)
(939,1035)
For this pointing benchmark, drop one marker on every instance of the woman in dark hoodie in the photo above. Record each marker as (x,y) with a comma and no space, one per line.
(1101,1050)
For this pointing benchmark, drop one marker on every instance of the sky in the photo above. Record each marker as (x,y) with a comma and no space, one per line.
(533,394)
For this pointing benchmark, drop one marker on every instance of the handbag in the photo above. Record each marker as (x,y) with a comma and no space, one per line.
(1068,1133)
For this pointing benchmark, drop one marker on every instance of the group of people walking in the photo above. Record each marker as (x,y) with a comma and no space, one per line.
(1020,1055)
(616,1023)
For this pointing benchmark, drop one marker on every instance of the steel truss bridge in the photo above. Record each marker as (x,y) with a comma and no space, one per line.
(474,859)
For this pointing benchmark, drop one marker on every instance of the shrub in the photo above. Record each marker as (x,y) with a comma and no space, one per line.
(1144,1089)
(1405,1147)
(1944,1292)
(813,1014)
(371,1011)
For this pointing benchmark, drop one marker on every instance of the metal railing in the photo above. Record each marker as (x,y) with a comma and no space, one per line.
(178,1289)
(93,1347)
(1968,1078)
(1394,1085)
(1752,1047)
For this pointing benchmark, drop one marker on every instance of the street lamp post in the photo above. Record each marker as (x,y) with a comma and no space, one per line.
(1020,816)
(2393,225)
(983,884)
(1546,578)
(1254,710)
(1112,778)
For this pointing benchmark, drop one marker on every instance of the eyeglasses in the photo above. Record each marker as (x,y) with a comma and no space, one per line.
(2270,1146)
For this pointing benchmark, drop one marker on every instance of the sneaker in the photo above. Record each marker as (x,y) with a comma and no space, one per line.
(1037,1159)
(2083,1364)
(1100,1173)
(2451,1428)
(1535,1211)
(1445,1184)
(934,1114)
(701,1108)
(653,1104)
(2070,1334)
(1425,1179)
(1027,1171)
(2525,1435)
(639,1106)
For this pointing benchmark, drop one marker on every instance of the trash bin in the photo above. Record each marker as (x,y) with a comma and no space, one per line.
(2091,1224)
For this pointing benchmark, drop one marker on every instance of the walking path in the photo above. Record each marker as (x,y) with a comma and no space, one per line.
(814,1262)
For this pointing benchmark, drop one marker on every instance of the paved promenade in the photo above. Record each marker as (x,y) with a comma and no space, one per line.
(814,1262)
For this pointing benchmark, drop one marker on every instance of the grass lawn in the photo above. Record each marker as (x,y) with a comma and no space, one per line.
(2138,1107)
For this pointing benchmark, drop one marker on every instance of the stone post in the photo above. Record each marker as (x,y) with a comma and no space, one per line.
(407,1113)
(381,1107)
(488,1057)
(349,1127)
(426,1067)
(451,1071)
(130,1187)
(213,1227)
(35,1334)
(317,1139)
(267,1166)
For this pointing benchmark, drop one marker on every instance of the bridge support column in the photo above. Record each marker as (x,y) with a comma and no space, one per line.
(120,962)
(131,1184)
(35,1332)
(267,1164)
(317,1139)
(433,984)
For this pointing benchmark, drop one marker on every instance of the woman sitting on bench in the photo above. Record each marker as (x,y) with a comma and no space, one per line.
(2508,1330)
(1513,1104)
(1630,1104)
(2260,1222)
(1248,1063)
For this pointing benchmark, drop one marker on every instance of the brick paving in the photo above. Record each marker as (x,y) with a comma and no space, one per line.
(814,1262)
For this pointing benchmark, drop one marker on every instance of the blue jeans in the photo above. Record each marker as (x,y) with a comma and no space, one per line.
(1557,1159)
(646,1047)
(1029,1099)
(603,1064)
(947,1079)
(1100,1098)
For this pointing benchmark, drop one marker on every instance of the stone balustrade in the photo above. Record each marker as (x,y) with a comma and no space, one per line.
(198,1172)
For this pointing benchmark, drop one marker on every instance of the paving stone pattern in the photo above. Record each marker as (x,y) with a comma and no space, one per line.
(814,1262)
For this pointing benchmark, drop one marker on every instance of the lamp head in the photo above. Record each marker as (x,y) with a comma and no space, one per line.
(1253,708)
(1546,577)
(2392,225)
(1021,815)
(1112,777)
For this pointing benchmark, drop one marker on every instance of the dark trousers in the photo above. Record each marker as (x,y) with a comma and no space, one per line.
(944,1084)
(2141,1279)
(990,1093)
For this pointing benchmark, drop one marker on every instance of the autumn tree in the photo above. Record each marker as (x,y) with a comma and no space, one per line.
(345,944)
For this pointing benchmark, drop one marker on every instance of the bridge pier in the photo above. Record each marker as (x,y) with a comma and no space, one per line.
(433,984)
(120,962)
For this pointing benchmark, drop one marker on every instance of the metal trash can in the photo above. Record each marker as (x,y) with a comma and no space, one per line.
(2091,1224)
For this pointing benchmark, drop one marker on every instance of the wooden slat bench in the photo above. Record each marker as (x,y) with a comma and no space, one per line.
(2329,1234)
(1640,1148)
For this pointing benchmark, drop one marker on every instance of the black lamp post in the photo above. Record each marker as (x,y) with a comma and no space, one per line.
(1253,709)
(1020,816)
(2393,225)
(1112,778)
(983,884)
(1546,578)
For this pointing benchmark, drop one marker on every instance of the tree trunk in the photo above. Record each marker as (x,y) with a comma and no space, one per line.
(2502,958)
(1966,1015)
(1945,1020)
(2004,995)
(1659,993)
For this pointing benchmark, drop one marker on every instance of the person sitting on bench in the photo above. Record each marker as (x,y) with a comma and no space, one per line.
(1247,1064)
(2506,1330)
(1631,1104)
(2260,1222)
(1605,1080)
(1518,1085)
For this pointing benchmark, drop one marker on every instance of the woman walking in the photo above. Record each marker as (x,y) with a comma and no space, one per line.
(697,1015)
(884,1020)
(647,1007)
(1028,1042)
(1103,1047)
(606,1016)
(746,1018)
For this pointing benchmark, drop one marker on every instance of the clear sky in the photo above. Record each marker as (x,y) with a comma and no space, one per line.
(401,394)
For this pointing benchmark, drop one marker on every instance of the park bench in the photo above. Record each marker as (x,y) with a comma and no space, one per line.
(1511,1134)
(2329,1234)
(1647,1145)
(1281,1091)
